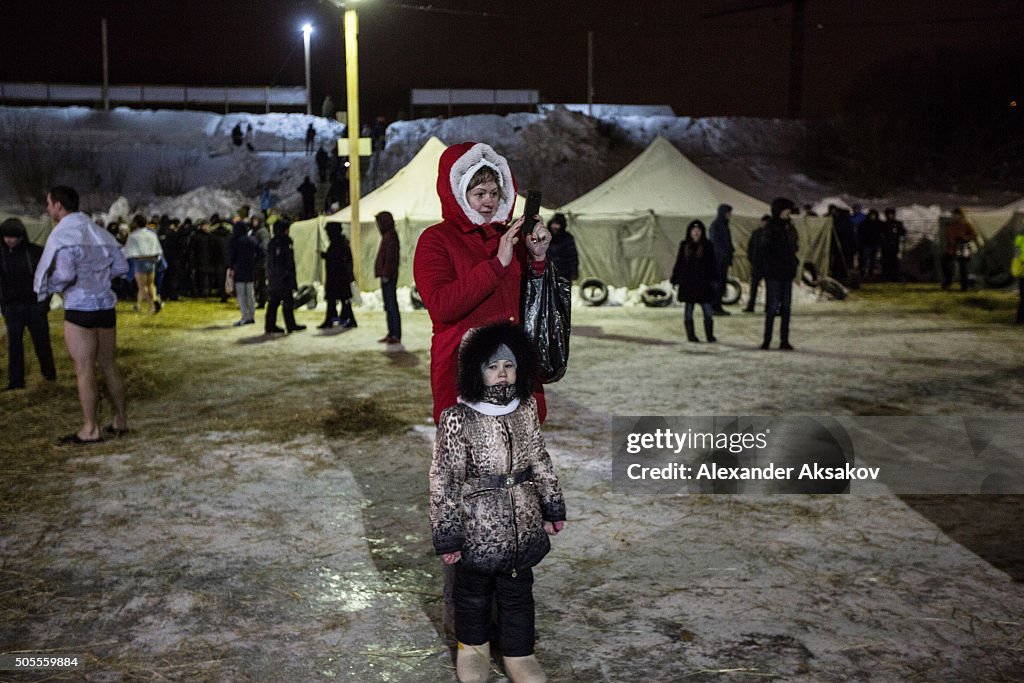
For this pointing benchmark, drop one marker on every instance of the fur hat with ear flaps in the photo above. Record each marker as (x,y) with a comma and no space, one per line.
(479,344)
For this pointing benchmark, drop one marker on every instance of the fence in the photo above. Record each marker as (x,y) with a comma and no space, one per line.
(144,95)
(450,97)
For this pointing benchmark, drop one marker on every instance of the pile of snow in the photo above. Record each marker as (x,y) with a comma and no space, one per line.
(199,203)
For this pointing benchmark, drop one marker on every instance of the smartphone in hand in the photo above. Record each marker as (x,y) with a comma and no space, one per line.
(532,208)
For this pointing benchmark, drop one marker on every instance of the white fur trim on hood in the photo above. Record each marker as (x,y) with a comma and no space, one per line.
(478,156)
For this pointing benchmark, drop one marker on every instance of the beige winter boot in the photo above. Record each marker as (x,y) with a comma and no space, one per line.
(524,670)
(473,663)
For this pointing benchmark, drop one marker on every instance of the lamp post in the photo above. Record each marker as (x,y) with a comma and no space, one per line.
(351,30)
(306,30)
(352,92)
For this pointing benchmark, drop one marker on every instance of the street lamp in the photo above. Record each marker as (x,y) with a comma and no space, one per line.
(306,30)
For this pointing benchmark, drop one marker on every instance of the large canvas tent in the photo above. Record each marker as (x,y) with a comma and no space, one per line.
(411,197)
(628,228)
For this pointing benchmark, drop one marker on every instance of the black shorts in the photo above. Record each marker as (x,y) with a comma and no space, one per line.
(105,319)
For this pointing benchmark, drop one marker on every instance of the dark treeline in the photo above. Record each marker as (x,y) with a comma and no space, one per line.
(951,120)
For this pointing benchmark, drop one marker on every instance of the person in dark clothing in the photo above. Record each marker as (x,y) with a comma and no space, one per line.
(21,309)
(386,268)
(200,250)
(845,236)
(185,277)
(338,279)
(281,280)
(562,251)
(869,236)
(779,262)
(308,191)
(310,138)
(169,234)
(220,235)
(378,133)
(243,252)
(321,159)
(236,135)
(695,274)
(721,238)
(337,191)
(893,233)
(755,257)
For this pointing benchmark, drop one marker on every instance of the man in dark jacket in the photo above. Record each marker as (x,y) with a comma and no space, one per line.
(386,268)
(281,280)
(721,238)
(779,262)
(321,159)
(869,236)
(754,256)
(200,250)
(21,309)
(170,241)
(562,250)
(220,235)
(893,232)
(308,191)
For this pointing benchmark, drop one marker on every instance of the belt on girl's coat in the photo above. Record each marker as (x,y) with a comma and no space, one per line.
(501,481)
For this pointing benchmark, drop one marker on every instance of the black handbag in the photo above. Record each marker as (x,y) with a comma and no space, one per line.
(547,320)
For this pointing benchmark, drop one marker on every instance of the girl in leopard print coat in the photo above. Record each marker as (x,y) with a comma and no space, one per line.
(494,497)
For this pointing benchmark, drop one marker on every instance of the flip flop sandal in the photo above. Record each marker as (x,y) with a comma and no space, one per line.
(114,431)
(73,438)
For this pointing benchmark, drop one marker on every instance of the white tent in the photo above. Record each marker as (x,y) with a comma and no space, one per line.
(628,228)
(411,197)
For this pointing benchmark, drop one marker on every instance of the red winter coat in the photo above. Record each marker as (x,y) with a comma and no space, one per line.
(457,272)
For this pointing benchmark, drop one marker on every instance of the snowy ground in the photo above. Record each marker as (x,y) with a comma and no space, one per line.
(266,519)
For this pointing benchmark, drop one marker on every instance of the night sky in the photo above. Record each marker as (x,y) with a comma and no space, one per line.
(646,52)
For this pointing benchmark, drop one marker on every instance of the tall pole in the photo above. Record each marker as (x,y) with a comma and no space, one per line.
(306,30)
(590,73)
(352,78)
(796,61)
(106,66)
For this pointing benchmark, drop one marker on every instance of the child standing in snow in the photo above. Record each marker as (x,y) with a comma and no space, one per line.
(494,500)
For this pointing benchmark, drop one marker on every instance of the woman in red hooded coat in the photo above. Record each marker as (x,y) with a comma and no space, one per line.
(469,267)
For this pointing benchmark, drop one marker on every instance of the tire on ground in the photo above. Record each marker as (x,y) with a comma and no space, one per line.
(733,292)
(810,274)
(833,288)
(593,291)
(305,296)
(656,297)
